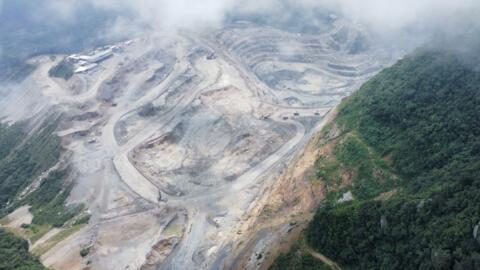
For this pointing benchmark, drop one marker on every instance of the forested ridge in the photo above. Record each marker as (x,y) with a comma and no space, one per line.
(413,132)
(24,157)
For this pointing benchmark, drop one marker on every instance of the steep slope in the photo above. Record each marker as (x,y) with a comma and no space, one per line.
(35,183)
(403,173)
(23,157)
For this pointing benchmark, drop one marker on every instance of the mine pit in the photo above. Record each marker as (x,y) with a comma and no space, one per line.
(175,138)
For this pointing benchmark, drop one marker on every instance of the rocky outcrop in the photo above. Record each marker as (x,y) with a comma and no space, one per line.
(287,206)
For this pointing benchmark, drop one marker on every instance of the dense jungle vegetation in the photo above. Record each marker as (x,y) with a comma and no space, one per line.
(412,132)
(14,254)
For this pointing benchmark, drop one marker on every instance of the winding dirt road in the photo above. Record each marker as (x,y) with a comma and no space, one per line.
(116,187)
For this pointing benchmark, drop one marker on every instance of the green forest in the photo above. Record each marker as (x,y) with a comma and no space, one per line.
(25,156)
(14,254)
(63,69)
(412,131)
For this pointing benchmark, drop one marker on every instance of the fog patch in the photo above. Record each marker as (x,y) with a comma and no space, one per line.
(394,25)
(290,48)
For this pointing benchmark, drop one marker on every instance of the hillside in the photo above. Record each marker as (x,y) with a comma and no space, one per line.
(408,153)
(33,195)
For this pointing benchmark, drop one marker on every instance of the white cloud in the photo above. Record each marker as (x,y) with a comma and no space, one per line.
(64,10)
(168,14)
(393,16)
(381,15)
(392,20)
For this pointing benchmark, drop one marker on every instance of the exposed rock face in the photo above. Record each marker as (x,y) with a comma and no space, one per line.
(159,253)
(346,197)
(475,232)
(383,222)
(295,191)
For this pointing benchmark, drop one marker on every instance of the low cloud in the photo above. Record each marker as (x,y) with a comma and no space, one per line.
(383,16)
(394,22)
(411,17)
(390,20)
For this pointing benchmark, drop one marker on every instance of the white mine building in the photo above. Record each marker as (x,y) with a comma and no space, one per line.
(85,63)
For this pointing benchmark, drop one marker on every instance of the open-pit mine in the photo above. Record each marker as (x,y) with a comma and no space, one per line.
(172,139)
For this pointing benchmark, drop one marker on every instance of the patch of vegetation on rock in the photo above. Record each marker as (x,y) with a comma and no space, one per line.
(64,70)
